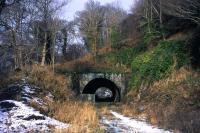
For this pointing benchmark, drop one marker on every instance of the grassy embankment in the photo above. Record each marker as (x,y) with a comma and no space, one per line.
(163,87)
(82,116)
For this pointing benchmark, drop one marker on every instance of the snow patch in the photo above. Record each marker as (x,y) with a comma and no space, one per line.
(22,118)
(28,90)
(121,123)
(28,97)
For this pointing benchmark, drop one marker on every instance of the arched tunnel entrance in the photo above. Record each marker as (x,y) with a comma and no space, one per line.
(103,89)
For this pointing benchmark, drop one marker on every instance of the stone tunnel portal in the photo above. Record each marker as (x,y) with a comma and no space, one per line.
(94,85)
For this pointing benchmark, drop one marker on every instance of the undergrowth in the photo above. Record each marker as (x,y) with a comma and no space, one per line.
(125,56)
(172,102)
(81,116)
(158,62)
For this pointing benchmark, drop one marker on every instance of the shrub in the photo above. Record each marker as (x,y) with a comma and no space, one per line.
(150,36)
(115,36)
(159,62)
(126,55)
(152,31)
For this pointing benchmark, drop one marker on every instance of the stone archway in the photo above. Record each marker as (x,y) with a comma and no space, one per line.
(97,83)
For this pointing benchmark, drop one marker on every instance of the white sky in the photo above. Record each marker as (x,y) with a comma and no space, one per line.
(78,5)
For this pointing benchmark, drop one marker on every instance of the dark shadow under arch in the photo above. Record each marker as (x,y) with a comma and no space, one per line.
(97,83)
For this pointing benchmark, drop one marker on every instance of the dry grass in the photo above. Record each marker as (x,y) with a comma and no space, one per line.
(175,101)
(46,79)
(82,116)
(106,49)
(164,86)
(9,78)
(104,111)
(86,61)
(180,36)
(129,110)
(87,64)
(175,78)
(172,103)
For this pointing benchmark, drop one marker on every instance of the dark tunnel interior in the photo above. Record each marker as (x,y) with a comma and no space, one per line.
(95,84)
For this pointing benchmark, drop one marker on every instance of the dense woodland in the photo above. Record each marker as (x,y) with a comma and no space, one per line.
(157,44)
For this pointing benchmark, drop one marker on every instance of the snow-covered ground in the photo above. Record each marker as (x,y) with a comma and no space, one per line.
(122,124)
(19,117)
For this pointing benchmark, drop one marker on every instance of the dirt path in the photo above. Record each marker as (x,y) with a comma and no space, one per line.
(116,123)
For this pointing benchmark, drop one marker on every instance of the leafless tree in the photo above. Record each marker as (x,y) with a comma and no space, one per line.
(24,22)
(186,9)
(67,29)
(47,11)
(14,20)
(90,22)
(114,15)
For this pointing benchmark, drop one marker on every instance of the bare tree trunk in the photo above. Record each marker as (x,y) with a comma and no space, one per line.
(44,50)
(48,56)
(160,16)
(151,11)
(20,58)
(64,45)
(37,45)
(53,55)
(147,16)
(14,44)
(161,21)
(95,49)
(109,36)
